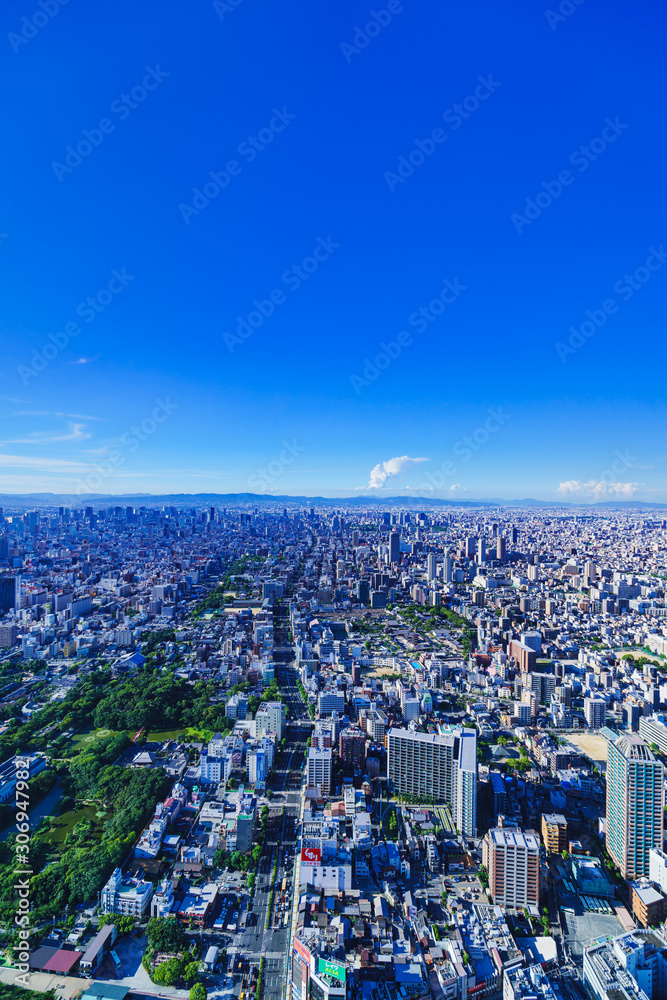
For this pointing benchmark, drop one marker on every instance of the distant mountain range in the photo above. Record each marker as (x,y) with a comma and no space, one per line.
(31,500)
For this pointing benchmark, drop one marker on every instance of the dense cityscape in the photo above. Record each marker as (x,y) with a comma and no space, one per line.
(339,752)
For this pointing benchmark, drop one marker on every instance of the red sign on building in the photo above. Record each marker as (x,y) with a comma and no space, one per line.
(310,855)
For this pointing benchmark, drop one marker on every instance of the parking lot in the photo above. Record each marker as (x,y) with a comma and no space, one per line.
(583,926)
(464,888)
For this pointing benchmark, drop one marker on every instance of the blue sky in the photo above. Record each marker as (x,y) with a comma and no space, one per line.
(231,340)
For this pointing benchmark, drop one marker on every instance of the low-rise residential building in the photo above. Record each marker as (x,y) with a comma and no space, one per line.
(129,896)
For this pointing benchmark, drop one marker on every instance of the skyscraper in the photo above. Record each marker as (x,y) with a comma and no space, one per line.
(501,549)
(437,767)
(8,593)
(595,711)
(431,565)
(448,569)
(394,546)
(634,805)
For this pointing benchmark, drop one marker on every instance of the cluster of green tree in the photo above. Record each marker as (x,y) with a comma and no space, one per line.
(176,970)
(8,992)
(391,826)
(161,701)
(640,661)
(86,765)
(76,872)
(212,602)
(152,640)
(122,921)
(73,712)
(166,937)
(217,598)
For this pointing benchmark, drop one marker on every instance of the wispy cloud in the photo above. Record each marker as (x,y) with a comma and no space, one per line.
(84,361)
(54,413)
(393,467)
(41,464)
(76,432)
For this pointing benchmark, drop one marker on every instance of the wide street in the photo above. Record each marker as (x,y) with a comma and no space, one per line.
(262,937)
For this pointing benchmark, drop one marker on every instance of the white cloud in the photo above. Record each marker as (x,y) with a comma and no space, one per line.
(76,432)
(393,467)
(600,489)
(455,487)
(35,462)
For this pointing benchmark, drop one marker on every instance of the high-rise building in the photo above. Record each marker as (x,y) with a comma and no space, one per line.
(653,729)
(352,749)
(501,549)
(394,547)
(533,639)
(431,567)
(595,711)
(634,805)
(437,767)
(512,859)
(481,550)
(8,636)
(270,718)
(525,656)
(8,593)
(448,570)
(318,769)
(554,832)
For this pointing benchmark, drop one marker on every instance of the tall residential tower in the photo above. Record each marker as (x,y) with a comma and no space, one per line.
(634,805)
